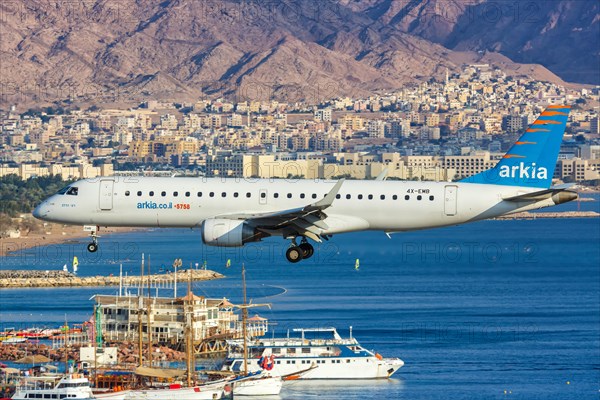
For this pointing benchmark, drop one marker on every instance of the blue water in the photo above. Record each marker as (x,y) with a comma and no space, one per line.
(474,311)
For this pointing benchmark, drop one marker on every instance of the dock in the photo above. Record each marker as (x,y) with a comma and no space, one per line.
(11,279)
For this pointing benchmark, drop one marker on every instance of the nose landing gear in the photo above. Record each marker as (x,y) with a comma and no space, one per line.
(93,246)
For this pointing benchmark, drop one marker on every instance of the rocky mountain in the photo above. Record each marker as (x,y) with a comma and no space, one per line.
(124,50)
(562,35)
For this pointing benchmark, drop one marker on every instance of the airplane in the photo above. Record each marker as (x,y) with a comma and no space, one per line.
(231,212)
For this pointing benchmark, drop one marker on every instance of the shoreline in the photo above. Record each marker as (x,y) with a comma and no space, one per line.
(53,234)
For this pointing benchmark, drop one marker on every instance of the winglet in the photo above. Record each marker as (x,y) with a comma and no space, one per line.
(328,199)
(382,175)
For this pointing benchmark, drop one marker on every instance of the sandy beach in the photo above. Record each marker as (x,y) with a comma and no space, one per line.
(52,234)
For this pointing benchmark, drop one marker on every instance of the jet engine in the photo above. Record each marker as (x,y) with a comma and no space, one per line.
(229,233)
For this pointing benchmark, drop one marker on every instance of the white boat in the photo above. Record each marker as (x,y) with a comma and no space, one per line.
(14,339)
(71,386)
(260,384)
(176,392)
(317,354)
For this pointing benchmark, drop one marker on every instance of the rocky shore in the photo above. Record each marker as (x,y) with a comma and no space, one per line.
(47,279)
(127,354)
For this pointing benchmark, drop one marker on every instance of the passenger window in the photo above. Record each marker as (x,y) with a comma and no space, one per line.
(248,195)
(314,195)
(348,196)
(395,197)
(236,194)
(212,194)
(370,197)
(382,197)
(163,194)
(263,195)
(73,191)
(127,193)
(407,197)
(140,193)
(302,195)
(360,196)
(337,196)
(199,194)
(419,197)
(289,195)
(175,194)
(431,198)
(276,195)
(151,193)
(187,194)
(223,194)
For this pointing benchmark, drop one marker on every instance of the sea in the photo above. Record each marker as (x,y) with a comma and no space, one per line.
(498,309)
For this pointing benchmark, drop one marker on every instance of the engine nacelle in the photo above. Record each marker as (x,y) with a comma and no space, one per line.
(229,233)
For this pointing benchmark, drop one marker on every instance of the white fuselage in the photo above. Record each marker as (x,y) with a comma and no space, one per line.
(389,206)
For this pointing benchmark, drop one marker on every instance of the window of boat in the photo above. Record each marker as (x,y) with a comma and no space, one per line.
(127,193)
(306,350)
(291,350)
(73,191)
(276,350)
(278,361)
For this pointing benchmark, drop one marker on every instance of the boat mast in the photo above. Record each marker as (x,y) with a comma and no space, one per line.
(189,357)
(140,308)
(244,321)
(148,315)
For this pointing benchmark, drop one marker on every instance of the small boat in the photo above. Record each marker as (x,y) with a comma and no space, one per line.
(259,384)
(13,339)
(174,392)
(70,386)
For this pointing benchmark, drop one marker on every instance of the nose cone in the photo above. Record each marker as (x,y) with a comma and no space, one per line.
(41,211)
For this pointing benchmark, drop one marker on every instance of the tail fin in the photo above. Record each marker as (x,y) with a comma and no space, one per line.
(532,159)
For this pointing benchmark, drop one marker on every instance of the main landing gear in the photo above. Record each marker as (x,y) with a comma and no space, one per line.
(93,246)
(299,252)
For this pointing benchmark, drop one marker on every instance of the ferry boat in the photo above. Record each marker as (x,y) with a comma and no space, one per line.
(325,355)
(70,386)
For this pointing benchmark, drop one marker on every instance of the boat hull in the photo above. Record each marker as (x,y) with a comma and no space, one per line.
(258,387)
(194,393)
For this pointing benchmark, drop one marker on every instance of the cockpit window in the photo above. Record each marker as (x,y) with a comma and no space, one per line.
(73,191)
(63,190)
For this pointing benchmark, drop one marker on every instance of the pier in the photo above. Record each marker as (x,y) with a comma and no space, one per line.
(47,279)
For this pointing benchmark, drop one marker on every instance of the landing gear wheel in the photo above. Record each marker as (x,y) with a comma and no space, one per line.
(294,254)
(92,247)
(307,250)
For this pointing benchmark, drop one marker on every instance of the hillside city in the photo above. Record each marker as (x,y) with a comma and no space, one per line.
(439,130)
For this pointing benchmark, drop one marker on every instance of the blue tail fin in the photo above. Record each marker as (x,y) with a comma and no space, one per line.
(532,159)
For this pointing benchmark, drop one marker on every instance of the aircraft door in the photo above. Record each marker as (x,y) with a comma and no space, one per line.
(450,195)
(106,194)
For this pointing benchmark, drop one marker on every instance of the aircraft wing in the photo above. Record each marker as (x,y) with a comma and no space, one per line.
(302,221)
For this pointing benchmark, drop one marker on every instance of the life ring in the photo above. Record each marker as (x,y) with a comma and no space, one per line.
(267,363)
